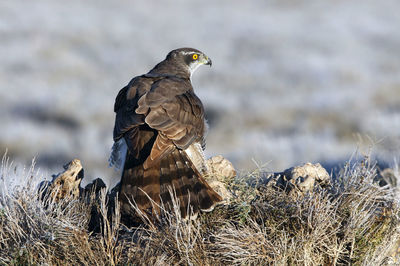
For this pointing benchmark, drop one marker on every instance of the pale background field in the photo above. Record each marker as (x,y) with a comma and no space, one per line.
(291,82)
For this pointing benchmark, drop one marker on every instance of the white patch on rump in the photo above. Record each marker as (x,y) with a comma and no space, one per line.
(118,155)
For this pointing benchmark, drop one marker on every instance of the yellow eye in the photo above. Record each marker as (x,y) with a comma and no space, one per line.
(195,56)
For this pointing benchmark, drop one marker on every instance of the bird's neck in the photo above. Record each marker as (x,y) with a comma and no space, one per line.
(170,69)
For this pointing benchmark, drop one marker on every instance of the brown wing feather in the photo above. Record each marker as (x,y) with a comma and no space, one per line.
(161,147)
(172,108)
(125,105)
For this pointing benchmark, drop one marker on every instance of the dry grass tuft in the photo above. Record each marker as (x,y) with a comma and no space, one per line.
(352,222)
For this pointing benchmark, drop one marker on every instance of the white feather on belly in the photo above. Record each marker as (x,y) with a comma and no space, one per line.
(118,155)
(196,155)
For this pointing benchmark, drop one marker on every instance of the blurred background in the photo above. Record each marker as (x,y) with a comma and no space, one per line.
(291,82)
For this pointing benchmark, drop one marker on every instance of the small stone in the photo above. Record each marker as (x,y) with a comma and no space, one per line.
(220,168)
(221,172)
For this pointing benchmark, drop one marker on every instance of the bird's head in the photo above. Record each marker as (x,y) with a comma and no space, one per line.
(189,58)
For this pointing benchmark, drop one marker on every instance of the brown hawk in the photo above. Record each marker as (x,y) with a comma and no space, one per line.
(159,137)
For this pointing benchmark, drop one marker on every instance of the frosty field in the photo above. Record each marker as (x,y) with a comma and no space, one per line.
(291,82)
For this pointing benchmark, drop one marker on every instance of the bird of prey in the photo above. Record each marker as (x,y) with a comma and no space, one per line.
(159,138)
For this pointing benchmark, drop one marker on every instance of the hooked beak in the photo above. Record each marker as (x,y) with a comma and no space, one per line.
(208,62)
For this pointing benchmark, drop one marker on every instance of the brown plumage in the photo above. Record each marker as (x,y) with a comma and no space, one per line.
(159,130)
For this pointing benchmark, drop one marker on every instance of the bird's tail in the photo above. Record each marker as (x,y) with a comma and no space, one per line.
(151,187)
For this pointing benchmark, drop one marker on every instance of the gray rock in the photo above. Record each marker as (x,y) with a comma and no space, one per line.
(222,173)
(300,179)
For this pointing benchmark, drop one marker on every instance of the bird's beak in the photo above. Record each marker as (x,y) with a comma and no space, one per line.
(206,60)
(209,62)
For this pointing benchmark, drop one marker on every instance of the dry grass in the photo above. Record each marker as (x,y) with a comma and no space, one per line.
(352,222)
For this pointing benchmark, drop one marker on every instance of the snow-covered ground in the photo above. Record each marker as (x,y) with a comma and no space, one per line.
(291,82)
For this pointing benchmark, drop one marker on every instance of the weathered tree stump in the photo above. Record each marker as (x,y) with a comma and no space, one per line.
(299,180)
(65,185)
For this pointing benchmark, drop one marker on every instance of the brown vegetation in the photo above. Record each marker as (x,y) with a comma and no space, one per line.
(350,221)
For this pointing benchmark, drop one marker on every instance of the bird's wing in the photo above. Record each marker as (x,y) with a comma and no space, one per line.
(172,108)
(127,120)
